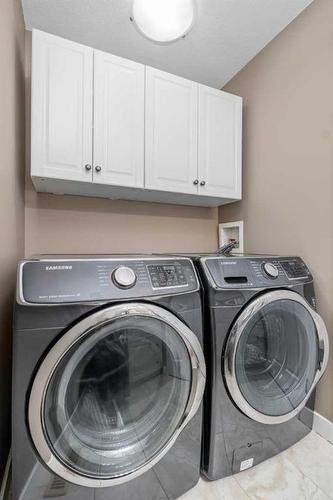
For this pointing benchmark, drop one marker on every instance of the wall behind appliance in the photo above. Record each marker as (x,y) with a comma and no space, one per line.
(288,155)
(12,116)
(72,224)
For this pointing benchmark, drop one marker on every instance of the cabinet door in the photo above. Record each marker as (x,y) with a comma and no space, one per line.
(61,108)
(118,121)
(171,132)
(220,143)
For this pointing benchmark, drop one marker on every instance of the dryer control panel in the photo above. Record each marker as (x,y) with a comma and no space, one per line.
(59,281)
(255,272)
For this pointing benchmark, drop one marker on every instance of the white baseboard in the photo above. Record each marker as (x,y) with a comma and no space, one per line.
(323,427)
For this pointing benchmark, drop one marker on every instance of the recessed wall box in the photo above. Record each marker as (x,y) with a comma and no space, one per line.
(230,232)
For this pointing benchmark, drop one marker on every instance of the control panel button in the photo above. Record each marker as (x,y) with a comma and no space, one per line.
(271,270)
(124,277)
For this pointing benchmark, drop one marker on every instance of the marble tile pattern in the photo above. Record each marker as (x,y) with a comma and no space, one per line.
(303,472)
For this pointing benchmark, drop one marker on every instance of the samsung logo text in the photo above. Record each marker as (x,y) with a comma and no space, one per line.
(58,268)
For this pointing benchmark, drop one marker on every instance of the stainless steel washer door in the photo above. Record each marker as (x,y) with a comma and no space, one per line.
(114,392)
(276,352)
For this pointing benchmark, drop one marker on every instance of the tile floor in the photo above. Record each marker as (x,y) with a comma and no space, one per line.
(303,472)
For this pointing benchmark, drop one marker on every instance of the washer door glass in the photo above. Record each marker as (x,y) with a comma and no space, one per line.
(276,358)
(117,396)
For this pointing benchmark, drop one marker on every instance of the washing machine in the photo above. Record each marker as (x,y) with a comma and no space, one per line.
(266,349)
(108,378)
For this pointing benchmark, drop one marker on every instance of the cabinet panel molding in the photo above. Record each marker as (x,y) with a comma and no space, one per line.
(171,132)
(118,121)
(220,143)
(61,108)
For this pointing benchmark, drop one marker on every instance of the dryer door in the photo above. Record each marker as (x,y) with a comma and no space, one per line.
(113,394)
(276,352)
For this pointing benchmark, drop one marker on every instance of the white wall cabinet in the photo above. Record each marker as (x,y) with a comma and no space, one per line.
(118,121)
(109,127)
(61,108)
(171,132)
(220,143)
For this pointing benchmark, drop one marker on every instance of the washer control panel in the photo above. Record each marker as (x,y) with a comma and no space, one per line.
(167,275)
(61,281)
(255,272)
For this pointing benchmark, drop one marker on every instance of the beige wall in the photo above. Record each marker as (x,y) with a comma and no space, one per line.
(288,155)
(71,224)
(12,112)
(91,225)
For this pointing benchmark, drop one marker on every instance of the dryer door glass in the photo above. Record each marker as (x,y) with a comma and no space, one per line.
(274,353)
(118,396)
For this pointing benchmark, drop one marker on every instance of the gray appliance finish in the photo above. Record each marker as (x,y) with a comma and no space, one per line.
(266,349)
(108,378)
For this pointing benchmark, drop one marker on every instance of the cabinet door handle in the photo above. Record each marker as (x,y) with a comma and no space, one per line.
(98,168)
(87,167)
(202,183)
(196,182)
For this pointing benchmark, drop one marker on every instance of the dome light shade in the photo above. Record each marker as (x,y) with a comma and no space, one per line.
(163,21)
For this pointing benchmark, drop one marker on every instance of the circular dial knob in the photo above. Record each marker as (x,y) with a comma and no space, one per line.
(271,270)
(124,277)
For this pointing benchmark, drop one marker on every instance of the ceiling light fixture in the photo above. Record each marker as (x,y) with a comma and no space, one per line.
(163,21)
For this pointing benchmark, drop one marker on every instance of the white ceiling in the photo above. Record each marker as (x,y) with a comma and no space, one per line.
(227,33)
